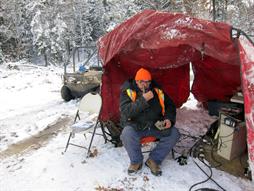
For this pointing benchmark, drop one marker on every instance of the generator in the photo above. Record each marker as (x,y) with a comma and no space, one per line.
(231,136)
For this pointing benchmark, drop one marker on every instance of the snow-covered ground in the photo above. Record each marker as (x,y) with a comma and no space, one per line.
(31,105)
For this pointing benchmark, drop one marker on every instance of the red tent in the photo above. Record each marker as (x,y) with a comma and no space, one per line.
(166,44)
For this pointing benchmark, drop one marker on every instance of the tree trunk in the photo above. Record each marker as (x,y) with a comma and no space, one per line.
(188,7)
(45,57)
(78,55)
(214,11)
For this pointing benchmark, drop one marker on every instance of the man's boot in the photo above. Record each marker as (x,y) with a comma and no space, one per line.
(155,169)
(134,168)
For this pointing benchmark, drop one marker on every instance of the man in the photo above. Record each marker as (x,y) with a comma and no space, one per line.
(142,105)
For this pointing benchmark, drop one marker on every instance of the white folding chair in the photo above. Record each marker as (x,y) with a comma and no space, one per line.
(89,104)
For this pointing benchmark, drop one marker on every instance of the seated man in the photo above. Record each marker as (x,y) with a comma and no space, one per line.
(142,104)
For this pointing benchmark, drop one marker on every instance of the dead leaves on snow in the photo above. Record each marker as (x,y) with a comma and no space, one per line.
(146,179)
(93,153)
(102,188)
(127,183)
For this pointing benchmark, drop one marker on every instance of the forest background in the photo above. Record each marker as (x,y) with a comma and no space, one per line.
(45,30)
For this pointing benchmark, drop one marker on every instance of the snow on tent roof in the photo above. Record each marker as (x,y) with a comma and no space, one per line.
(165,44)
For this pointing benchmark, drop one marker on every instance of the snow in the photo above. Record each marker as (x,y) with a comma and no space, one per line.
(29,101)
(171,34)
(31,104)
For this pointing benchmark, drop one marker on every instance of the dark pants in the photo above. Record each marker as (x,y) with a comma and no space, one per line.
(131,141)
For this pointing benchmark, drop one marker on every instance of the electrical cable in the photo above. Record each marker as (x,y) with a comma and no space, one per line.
(201,182)
(213,158)
(227,135)
(212,150)
(193,151)
(205,189)
(209,176)
(193,146)
(184,136)
(188,134)
(219,163)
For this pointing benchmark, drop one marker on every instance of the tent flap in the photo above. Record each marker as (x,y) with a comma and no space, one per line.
(166,44)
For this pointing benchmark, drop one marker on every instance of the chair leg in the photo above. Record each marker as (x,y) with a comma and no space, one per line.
(67,144)
(91,141)
(103,133)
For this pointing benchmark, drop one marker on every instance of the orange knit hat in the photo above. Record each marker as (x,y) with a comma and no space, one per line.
(143,74)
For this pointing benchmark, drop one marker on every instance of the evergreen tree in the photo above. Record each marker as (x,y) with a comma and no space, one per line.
(14,30)
(48,29)
(31,27)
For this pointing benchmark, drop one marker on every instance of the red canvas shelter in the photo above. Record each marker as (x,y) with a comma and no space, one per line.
(166,44)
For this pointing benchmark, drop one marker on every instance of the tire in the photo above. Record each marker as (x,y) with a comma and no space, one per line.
(96,68)
(96,90)
(66,93)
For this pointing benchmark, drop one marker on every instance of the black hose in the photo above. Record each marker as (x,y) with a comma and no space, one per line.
(209,177)
(201,182)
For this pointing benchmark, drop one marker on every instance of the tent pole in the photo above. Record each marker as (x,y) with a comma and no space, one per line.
(235,33)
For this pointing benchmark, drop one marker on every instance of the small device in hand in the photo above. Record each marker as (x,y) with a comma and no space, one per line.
(160,125)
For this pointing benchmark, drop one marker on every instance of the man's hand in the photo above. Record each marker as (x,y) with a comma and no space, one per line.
(167,123)
(148,95)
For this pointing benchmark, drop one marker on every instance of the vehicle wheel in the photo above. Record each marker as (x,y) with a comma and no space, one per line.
(96,90)
(96,68)
(66,93)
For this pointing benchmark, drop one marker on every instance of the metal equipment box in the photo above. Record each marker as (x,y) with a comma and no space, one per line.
(232,137)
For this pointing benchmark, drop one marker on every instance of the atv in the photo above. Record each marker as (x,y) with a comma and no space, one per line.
(86,79)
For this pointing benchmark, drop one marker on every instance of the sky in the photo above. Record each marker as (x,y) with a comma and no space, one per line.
(34,127)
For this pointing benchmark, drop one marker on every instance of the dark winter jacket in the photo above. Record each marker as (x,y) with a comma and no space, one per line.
(142,114)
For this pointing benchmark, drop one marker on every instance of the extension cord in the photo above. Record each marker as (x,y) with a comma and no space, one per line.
(206,141)
(201,156)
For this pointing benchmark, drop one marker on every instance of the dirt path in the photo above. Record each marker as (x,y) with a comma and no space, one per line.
(36,141)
